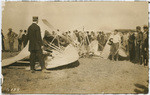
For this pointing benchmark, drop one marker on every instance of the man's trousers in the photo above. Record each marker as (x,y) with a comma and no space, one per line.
(34,56)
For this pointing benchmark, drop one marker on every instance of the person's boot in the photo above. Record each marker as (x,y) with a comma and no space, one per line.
(32,71)
(45,71)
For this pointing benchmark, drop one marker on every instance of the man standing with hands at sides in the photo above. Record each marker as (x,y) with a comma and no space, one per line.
(11,39)
(145,51)
(138,47)
(115,45)
(35,45)
(20,40)
(24,38)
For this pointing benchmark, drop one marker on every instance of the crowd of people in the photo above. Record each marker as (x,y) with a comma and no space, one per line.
(138,46)
(82,40)
(135,44)
(22,39)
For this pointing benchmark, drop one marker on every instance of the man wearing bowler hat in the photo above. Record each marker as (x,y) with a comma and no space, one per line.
(35,45)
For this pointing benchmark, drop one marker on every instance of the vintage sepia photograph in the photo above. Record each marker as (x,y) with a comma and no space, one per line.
(75,47)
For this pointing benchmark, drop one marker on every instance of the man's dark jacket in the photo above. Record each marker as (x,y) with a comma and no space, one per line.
(34,37)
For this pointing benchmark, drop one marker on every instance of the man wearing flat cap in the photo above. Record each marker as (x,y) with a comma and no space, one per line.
(35,45)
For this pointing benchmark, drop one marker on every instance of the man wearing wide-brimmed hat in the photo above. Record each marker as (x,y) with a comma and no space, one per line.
(35,45)
(11,37)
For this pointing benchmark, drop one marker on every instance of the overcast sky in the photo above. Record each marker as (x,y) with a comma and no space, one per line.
(74,15)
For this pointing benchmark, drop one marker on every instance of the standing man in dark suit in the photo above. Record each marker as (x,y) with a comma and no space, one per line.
(20,40)
(145,45)
(138,47)
(131,43)
(24,38)
(35,45)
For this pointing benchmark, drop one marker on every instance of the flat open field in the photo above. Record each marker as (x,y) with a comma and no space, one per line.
(87,75)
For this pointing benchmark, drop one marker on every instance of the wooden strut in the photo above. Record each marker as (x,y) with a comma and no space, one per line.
(54,46)
(88,39)
(53,39)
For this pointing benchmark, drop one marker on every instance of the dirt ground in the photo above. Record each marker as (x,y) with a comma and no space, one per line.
(87,75)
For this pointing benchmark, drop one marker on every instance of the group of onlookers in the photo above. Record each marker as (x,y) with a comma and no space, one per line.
(22,39)
(87,43)
(136,44)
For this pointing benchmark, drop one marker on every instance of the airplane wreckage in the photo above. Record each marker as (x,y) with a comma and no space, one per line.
(60,54)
